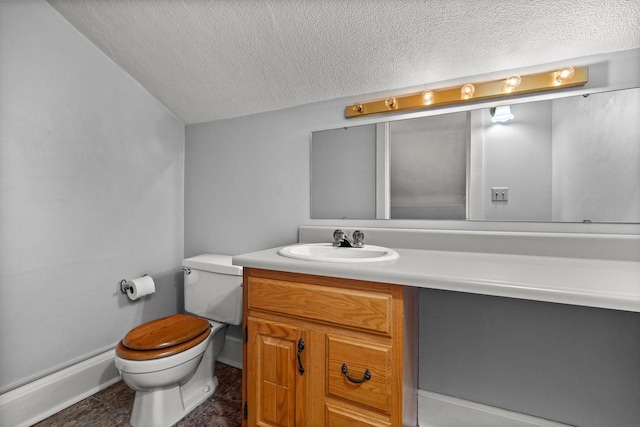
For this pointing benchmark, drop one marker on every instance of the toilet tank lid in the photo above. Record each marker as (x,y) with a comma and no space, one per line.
(213,263)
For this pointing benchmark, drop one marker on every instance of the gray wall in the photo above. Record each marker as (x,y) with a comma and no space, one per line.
(247,181)
(91,191)
(575,365)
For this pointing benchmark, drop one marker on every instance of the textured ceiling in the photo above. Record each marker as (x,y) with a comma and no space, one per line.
(209,60)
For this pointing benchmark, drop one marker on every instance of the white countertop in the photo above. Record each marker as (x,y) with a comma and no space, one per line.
(612,284)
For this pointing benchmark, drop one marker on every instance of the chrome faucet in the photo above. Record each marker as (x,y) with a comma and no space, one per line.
(341,239)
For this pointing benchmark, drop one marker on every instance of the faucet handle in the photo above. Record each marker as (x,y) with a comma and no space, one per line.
(357,237)
(338,237)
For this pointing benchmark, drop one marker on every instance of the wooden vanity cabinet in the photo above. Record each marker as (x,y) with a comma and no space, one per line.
(323,351)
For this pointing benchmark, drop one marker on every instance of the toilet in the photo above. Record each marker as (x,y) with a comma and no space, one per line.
(169,362)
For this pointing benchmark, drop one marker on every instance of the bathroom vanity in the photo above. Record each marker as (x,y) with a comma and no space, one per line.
(335,343)
(328,351)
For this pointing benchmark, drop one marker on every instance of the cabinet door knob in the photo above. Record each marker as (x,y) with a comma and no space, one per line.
(366,377)
(300,348)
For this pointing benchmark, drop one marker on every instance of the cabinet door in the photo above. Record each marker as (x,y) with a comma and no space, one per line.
(277,378)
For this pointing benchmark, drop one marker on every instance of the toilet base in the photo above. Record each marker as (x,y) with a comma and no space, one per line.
(164,407)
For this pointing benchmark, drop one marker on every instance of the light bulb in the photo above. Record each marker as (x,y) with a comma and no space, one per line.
(391,103)
(511,83)
(467,91)
(564,74)
(427,97)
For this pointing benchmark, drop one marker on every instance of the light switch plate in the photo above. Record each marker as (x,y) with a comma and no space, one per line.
(499,194)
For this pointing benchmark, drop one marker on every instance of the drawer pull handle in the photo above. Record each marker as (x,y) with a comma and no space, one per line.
(366,377)
(300,348)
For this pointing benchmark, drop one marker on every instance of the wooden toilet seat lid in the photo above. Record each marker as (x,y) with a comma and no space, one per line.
(166,332)
(125,353)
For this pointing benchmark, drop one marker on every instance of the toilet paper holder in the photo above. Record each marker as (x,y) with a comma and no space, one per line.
(125,286)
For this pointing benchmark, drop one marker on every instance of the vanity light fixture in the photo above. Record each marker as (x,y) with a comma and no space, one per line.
(501,114)
(470,92)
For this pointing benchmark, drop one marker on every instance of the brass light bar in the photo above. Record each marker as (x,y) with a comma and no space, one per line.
(512,85)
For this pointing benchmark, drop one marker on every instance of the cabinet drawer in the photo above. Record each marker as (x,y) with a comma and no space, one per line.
(358,357)
(341,417)
(345,307)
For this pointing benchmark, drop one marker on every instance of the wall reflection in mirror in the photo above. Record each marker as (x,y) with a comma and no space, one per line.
(574,159)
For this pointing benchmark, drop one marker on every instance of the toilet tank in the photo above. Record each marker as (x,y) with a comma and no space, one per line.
(213,288)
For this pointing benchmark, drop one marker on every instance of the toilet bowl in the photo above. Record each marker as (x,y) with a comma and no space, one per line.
(168,388)
(169,362)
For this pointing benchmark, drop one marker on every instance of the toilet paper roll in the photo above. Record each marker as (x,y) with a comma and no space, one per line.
(140,287)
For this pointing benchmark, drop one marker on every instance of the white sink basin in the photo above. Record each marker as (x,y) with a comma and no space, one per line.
(326,252)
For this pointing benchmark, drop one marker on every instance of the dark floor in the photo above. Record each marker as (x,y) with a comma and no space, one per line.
(111,407)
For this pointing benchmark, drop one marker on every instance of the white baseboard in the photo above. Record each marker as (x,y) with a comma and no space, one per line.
(37,400)
(439,410)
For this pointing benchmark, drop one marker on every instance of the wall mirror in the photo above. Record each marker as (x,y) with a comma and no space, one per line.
(573,159)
